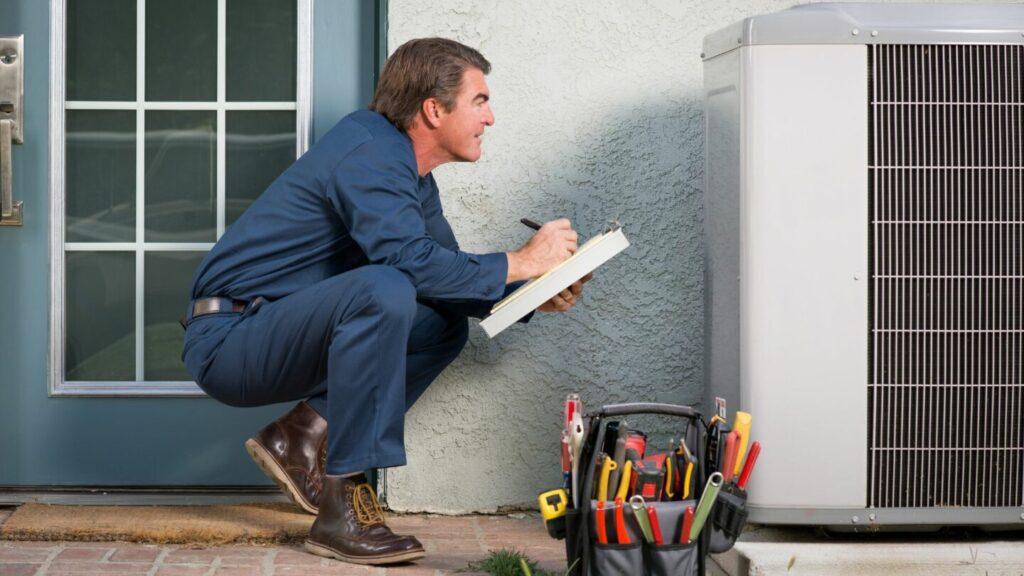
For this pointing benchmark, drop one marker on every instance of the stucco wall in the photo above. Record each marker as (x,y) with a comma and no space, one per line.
(598,116)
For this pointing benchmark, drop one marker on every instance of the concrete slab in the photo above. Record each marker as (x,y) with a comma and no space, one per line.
(769,551)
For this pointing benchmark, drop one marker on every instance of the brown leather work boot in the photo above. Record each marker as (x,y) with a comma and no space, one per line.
(292,451)
(351,526)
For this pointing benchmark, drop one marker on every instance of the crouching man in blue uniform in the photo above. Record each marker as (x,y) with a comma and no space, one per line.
(343,286)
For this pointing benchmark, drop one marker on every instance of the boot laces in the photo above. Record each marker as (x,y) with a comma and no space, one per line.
(366,507)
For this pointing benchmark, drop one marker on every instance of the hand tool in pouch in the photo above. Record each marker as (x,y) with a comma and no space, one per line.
(741,424)
(575,446)
(688,468)
(640,513)
(602,531)
(684,536)
(729,455)
(649,477)
(621,534)
(707,501)
(755,451)
(606,469)
(636,441)
(619,456)
(711,454)
(566,462)
(553,506)
(669,474)
(652,516)
(627,475)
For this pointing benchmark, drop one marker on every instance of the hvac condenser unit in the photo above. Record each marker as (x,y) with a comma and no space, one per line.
(864,217)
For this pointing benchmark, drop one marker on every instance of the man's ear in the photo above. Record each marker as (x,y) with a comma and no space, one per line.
(431,110)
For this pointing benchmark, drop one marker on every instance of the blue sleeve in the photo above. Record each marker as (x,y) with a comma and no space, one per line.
(477,308)
(374,190)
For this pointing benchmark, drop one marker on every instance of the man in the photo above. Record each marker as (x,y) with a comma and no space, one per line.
(343,286)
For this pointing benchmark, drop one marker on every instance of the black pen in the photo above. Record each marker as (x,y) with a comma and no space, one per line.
(530,223)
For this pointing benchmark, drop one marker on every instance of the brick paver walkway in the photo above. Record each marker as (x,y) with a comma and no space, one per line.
(451,543)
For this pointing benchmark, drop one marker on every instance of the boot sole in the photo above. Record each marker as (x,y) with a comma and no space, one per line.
(272,469)
(321,550)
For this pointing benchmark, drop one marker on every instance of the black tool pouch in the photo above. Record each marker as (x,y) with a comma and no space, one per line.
(728,518)
(673,559)
(587,556)
(617,559)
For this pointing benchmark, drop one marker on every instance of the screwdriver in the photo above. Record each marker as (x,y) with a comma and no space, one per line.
(741,424)
(684,536)
(748,467)
(729,457)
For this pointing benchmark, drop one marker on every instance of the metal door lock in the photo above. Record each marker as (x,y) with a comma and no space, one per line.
(12,103)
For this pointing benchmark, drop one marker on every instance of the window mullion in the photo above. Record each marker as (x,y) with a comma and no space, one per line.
(222,57)
(140,191)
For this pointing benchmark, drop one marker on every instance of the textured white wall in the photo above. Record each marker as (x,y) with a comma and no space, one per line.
(599,115)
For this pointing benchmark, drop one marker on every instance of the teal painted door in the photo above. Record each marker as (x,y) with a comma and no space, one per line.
(172,115)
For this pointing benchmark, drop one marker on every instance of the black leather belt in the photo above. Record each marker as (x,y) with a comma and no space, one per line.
(214,305)
(204,306)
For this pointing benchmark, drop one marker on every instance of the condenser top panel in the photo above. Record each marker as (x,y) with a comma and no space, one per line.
(863,23)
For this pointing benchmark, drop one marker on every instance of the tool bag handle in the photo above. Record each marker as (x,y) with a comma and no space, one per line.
(589,456)
(646,408)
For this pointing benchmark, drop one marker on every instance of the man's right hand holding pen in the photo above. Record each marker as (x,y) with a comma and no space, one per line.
(553,243)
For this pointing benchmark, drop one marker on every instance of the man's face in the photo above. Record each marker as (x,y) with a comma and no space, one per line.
(462,128)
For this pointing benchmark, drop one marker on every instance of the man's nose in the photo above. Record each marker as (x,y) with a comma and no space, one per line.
(489,116)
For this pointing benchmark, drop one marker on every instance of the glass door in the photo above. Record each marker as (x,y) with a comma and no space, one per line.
(177,115)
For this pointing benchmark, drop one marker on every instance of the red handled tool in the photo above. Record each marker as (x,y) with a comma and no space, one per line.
(652,516)
(636,441)
(620,523)
(732,444)
(650,476)
(602,531)
(684,536)
(748,467)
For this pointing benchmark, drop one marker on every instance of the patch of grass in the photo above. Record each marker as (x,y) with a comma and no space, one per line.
(507,563)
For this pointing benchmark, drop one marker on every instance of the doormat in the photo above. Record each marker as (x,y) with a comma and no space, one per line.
(199,525)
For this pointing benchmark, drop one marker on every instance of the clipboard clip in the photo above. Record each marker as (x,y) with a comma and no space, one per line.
(613,225)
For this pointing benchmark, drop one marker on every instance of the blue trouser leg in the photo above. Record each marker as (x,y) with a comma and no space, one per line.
(358,344)
(435,341)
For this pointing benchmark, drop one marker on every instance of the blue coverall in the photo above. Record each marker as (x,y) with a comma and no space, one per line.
(360,293)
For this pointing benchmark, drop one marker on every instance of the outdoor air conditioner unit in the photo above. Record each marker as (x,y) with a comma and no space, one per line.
(864,220)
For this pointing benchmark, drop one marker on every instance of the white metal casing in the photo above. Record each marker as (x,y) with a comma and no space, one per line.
(802,294)
(791,236)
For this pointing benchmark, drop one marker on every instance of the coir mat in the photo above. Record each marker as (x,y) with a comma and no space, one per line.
(199,525)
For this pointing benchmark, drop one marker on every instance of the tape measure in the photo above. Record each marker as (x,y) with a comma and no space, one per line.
(554,504)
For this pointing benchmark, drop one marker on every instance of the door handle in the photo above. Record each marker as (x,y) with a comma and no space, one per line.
(12,101)
(11,210)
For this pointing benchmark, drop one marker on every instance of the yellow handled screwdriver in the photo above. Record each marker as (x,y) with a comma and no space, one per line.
(741,424)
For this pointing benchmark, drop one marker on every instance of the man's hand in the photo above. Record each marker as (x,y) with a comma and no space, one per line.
(554,243)
(567,298)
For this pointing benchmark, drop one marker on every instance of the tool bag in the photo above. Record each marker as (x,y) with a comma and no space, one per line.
(630,554)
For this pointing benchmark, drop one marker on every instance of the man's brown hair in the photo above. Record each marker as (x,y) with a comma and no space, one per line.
(420,69)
